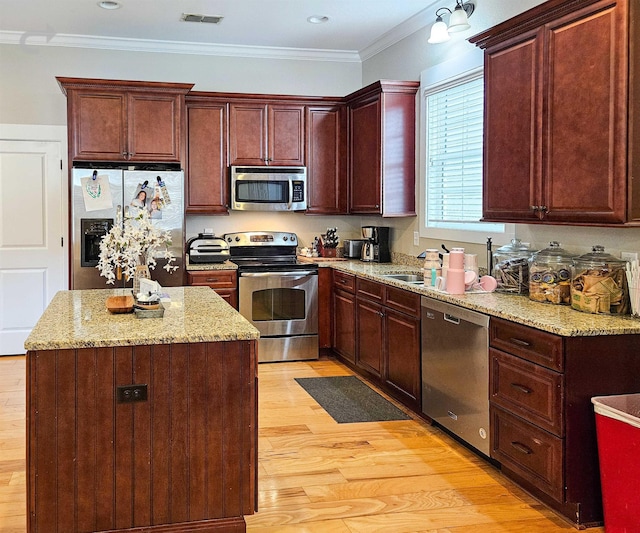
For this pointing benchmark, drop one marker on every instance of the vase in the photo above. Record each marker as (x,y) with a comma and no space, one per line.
(142,271)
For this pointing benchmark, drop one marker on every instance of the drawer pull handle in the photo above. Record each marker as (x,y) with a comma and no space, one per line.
(212,280)
(521,388)
(522,448)
(519,342)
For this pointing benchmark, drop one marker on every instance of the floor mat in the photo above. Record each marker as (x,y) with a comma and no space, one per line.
(347,400)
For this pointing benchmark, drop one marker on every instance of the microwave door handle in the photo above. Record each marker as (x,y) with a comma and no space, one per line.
(290,192)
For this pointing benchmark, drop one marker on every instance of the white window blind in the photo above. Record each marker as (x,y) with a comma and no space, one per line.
(454,154)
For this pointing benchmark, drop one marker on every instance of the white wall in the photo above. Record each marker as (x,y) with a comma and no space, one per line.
(29,93)
(407,59)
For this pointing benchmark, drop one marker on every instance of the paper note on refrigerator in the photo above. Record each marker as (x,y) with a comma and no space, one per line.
(96,192)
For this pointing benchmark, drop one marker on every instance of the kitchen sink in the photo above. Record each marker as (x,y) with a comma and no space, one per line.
(409,278)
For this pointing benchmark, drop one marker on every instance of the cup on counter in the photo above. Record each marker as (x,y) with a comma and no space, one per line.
(455,280)
(456,259)
(471,262)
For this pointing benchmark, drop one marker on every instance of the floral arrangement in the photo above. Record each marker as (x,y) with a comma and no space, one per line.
(134,243)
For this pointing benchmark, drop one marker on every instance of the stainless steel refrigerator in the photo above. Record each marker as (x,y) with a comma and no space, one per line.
(97,195)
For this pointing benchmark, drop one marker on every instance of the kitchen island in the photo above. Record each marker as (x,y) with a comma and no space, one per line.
(141,424)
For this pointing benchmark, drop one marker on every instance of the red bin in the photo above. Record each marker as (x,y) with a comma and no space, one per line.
(618,433)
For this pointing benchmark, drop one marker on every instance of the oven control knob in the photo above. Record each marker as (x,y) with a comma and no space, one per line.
(285,238)
(228,239)
(237,239)
(293,238)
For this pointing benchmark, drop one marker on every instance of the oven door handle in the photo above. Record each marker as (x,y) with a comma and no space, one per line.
(299,274)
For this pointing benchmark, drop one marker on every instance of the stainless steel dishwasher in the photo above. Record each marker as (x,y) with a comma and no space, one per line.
(455,370)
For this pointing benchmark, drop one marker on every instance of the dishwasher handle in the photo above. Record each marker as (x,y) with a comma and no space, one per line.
(453,319)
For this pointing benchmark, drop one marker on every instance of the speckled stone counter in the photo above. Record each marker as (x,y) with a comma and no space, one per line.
(79,319)
(226,265)
(558,319)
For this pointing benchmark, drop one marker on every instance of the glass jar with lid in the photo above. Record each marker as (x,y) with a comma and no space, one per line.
(599,283)
(511,267)
(550,275)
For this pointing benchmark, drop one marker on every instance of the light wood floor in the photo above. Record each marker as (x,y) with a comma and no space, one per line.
(319,476)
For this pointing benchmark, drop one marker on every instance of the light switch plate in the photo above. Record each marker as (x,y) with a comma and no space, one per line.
(416,238)
(629,256)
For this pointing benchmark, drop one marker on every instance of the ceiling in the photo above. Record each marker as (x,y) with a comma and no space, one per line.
(248,25)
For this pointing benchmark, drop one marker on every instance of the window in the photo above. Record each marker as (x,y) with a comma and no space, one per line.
(452,161)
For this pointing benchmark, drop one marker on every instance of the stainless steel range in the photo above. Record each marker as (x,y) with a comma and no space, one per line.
(277,294)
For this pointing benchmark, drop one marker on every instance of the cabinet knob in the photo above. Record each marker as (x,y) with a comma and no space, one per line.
(535,207)
(544,208)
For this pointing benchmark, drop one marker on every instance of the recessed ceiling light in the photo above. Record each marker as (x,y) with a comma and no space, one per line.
(317,19)
(109,4)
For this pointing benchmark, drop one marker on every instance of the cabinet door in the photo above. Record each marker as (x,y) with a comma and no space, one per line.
(248,134)
(586,120)
(326,160)
(513,110)
(365,149)
(286,135)
(402,361)
(344,325)
(369,322)
(97,126)
(207,183)
(154,127)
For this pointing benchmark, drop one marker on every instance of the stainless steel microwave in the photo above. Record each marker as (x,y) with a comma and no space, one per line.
(256,188)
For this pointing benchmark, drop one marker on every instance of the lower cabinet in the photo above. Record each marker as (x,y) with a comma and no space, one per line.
(344,316)
(542,420)
(377,332)
(224,282)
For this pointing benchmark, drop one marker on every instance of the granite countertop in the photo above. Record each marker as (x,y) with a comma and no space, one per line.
(558,319)
(79,319)
(225,265)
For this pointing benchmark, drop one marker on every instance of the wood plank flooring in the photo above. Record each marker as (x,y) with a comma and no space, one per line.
(319,476)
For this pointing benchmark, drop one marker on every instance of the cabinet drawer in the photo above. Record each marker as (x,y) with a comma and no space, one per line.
(533,392)
(347,282)
(537,346)
(216,279)
(528,451)
(371,290)
(403,301)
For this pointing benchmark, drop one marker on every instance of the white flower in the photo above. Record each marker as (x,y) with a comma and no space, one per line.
(137,241)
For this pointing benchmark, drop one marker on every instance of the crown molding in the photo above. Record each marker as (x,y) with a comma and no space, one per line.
(175,47)
(417,22)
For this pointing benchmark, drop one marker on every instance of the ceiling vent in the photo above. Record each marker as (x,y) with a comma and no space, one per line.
(209,19)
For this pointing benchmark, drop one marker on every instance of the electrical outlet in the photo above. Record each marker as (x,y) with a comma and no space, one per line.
(416,238)
(629,256)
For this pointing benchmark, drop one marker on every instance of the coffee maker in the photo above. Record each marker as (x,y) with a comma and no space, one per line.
(376,247)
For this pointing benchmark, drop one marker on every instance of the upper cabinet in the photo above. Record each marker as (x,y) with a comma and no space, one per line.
(262,133)
(559,141)
(382,133)
(207,161)
(114,120)
(327,159)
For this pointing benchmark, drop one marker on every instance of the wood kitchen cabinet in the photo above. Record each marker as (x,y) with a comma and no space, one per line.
(207,188)
(542,420)
(224,282)
(344,316)
(327,159)
(382,149)
(114,120)
(263,133)
(387,325)
(561,141)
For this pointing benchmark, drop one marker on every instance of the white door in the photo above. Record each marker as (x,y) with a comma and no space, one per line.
(32,252)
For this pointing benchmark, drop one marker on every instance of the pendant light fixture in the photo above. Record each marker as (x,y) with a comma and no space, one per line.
(458,21)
